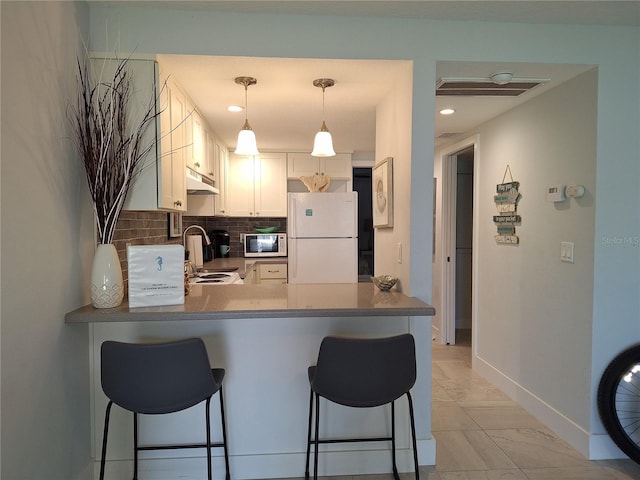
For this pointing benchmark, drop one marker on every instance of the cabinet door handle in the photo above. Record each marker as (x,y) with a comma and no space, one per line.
(197,165)
(177,203)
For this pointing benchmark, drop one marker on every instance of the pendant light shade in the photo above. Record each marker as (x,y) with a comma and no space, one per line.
(323,143)
(246,137)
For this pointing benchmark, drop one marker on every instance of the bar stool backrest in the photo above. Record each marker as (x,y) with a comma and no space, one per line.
(365,372)
(157,378)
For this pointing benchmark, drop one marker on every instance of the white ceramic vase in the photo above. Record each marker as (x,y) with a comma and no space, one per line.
(107,287)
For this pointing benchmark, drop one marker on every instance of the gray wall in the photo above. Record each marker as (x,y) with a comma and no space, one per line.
(47,227)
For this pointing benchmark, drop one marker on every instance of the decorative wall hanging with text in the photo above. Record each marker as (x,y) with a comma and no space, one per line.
(506,200)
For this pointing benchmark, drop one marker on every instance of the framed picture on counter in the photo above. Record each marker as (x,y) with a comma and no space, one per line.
(175,224)
(382,179)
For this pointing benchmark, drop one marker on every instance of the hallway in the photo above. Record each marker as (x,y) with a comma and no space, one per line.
(483,435)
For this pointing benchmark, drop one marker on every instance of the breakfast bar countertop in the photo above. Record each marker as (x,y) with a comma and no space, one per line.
(208,302)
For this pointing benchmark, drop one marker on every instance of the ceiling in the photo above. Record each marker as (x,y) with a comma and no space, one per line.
(285,109)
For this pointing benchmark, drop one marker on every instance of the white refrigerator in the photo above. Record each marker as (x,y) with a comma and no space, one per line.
(322,231)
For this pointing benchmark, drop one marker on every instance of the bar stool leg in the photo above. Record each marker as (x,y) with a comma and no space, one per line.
(224,435)
(393,440)
(135,446)
(104,438)
(413,436)
(315,459)
(306,467)
(207,414)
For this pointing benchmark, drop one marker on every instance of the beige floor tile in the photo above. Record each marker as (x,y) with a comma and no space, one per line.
(472,390)
(509,437)
(502,416)
(450,416)
(532,448)
(569,473)
(510,474)
(454,370)
(468,450)
(438,394)
(621,469)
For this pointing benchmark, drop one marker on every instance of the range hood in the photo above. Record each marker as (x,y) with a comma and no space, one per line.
(198,185)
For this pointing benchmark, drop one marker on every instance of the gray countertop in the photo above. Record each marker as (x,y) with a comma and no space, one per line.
(216,302)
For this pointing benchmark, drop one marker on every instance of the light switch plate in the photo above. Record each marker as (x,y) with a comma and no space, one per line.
(566,251)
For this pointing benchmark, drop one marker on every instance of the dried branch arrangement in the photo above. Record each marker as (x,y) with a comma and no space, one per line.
(109,143)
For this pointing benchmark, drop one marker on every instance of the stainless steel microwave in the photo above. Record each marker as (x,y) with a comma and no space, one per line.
(265,244)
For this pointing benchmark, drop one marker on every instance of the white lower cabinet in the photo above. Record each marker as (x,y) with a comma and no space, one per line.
(275,273)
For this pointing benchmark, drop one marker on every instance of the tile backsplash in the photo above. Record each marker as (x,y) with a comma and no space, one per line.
(152,228)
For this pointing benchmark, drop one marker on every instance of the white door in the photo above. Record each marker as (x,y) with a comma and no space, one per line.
(448,239)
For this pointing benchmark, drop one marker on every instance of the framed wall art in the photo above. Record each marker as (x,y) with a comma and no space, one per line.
(382,187)
(175,224)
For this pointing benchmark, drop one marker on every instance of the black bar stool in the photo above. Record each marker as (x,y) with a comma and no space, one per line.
(160,378)
(358,372)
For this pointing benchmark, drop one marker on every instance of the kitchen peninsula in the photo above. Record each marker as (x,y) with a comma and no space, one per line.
(266,336)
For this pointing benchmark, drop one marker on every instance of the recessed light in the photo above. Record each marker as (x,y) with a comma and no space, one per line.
(447,111)
(235,108)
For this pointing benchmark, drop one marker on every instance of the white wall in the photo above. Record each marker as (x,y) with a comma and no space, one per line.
(533,312)
(46,247)
(393,139)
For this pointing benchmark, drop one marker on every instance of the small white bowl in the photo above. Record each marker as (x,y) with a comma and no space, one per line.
(384,282)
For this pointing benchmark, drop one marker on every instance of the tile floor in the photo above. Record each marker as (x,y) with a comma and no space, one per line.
(483,435)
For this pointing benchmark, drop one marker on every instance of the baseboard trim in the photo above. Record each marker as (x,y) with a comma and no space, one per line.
(592,446)
(246,467)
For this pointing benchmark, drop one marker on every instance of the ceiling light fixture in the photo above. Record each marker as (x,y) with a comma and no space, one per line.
(501,78)
(246,138)
(235,108)
(323,143)
(447,111)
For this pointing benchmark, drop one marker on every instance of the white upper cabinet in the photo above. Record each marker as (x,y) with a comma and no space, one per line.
(209,169)
(159,183)
(303,165)
(220,169)
(256,186)
(196,138)
(271,185)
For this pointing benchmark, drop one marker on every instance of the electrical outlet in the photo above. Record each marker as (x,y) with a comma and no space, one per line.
(399,252)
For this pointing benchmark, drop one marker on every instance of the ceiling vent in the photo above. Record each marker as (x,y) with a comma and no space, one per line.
(501,84)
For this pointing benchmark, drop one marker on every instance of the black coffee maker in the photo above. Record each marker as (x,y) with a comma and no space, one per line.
(220,243)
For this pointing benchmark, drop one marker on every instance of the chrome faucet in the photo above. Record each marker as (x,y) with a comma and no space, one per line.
(184,234)
(184,243)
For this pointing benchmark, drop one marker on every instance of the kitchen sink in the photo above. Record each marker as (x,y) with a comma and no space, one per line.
(217,270)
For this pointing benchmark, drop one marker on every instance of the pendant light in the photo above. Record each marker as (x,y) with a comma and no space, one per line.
(246,138)
(323,144)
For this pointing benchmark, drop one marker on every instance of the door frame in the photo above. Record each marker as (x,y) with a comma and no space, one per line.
(448,239)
